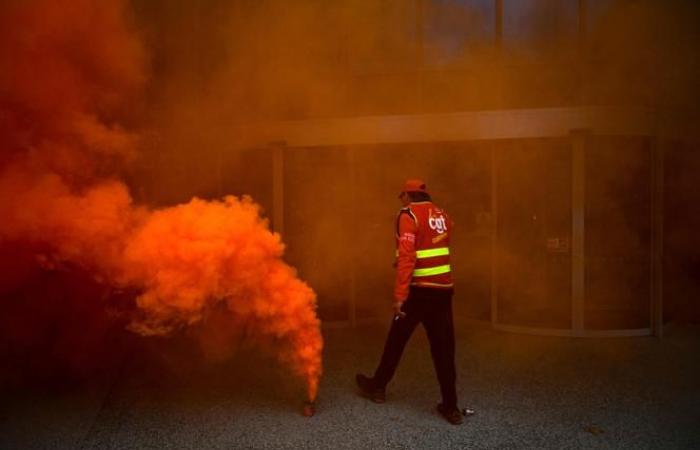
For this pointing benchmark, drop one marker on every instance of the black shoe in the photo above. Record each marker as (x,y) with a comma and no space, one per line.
(369,390)
(454,415)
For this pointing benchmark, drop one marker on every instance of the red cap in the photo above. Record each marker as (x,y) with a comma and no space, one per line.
(414,185)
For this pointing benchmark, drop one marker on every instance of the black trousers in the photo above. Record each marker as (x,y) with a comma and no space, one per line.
(432,308)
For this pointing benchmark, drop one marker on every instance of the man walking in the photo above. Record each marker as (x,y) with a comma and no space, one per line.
(422,294)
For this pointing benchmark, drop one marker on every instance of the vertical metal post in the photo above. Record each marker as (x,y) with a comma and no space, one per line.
(352,174)
(582,40)
(657,236)
(582,20)
(420,56)
(498,24)
(578,185)
(494,236)
(278,187)
(498,50)
(219,171)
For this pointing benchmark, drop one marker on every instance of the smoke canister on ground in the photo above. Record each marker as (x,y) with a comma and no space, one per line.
(309,408)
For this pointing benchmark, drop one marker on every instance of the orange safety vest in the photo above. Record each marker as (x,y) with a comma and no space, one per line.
(430,248)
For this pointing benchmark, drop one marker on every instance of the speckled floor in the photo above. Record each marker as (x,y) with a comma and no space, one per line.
(529,392)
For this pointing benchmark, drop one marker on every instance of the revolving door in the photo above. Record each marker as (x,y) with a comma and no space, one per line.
(575,249)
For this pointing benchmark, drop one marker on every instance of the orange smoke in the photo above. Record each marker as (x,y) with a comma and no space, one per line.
(68,76)
(192,257)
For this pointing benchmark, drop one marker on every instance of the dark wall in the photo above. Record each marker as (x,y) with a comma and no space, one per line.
(681,238)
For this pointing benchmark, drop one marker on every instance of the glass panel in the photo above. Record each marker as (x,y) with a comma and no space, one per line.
(456,29)
(618,233)
(534,233)
(317,225)
(681,237)
(535,27)
(540,56)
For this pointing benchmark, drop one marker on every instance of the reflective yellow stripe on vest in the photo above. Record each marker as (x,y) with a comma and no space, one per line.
(430,271)
(442,251)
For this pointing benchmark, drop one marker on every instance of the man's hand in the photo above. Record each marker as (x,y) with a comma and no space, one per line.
(398,314)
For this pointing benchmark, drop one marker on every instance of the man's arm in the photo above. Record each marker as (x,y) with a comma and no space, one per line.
(406,259)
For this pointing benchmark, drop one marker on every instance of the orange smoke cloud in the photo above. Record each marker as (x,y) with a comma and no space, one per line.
(192,257)
(68,73)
